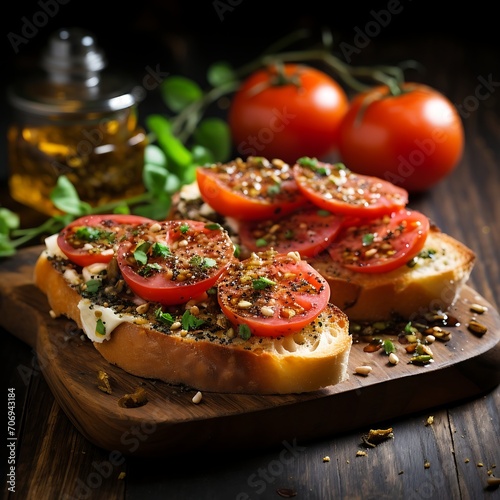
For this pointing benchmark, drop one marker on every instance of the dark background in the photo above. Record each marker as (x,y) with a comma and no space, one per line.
(182,37)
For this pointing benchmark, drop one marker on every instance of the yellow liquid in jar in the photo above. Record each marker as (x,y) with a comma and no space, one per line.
(103,159)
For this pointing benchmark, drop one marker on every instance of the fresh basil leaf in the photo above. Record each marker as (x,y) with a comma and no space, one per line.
(8,220)
(220,73)
(179,92)
(154,155)
(214,134)
(154,178)
(202,155)
(157,210)
(65,198)
(7,249)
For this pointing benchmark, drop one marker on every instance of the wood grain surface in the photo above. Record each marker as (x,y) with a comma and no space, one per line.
(465,366)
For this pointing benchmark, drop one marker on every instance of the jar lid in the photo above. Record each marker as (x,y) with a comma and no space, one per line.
(72,79)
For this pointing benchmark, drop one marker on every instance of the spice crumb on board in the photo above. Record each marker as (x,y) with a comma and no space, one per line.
(326,459)
(361,453)
(103,383)
(122,475)
(430,420)
(427,464)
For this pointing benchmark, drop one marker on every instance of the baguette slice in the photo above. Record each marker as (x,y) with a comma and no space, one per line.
(433,283)
(209,360)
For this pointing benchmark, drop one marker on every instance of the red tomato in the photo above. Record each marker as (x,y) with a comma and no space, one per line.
(413,139)
(287,115)
(251,190)
(381,245)
(308,231)
(177,262)
(272,294)
(94,238)
(334,187)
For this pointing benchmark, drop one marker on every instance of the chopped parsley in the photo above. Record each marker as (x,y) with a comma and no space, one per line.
(92,286)
(88,233)
(244,331)
(262,283)
(202,262)
(100,327)
(368,239)
(191,322)
(164,317)
(141,252)
(160,250)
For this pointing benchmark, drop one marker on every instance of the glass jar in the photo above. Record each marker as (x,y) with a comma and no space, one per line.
(76,120)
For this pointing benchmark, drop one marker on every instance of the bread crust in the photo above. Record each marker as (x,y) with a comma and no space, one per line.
(408,292)
(257,366)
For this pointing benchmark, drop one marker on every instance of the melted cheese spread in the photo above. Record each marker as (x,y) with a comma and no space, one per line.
(90,313)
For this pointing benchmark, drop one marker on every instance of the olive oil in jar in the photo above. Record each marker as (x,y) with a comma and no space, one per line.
(74,121)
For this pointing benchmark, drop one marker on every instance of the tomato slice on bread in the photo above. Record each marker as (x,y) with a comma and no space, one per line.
(94,238)
(272,294)
(175,261)
(308,231)
(382,244)
(251,190)
(334,187)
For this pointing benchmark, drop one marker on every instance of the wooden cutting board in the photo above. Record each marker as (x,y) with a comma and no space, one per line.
(170,423)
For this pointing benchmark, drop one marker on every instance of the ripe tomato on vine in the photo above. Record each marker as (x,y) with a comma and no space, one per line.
(287,111)
(412,137)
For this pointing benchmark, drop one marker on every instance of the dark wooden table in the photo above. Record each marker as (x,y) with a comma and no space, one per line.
(452,458)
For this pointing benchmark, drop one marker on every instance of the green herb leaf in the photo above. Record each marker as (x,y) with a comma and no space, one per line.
(323,213)
(190,322)
(161,250)
(202,155)
(164,317)
(262,283)
(213,226)
(261,242)
(65,197)
(178,92)
(368,239)
(92,286)
(274,189)
(244,331)
(141,252)
(100,327)
(176,153)
(8,221)
(389,346)
(220,73)
(214,135)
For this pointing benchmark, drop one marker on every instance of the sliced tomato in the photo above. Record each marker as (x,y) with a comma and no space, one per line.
(383,244)
(175,261)
(251,190)
(334,187)
(307,231)
(94,238)
(272,294)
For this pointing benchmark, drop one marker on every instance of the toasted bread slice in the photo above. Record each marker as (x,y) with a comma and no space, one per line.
(209,359)
(430,282)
